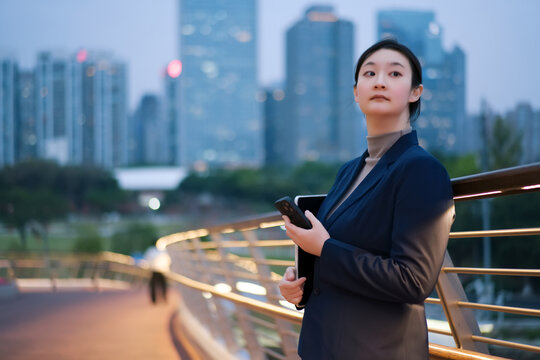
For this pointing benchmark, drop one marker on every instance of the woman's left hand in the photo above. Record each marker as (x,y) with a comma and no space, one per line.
(311,240)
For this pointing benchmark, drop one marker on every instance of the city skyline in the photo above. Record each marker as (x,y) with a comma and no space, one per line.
(146,39)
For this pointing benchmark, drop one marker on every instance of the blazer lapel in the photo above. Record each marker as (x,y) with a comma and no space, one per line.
(337,193)
(374,175)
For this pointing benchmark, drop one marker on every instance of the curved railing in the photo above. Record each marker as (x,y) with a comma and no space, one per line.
(57,271)
(227,276)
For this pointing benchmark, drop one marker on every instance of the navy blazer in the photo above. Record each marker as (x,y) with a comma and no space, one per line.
(386,247)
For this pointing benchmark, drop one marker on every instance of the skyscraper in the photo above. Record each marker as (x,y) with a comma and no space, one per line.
(53,106)
(8,70)
(276,150)
(322,118)
(99,111)
(171,113)
(526,121)
(148,132)
(219,114)
(443,115)
(25,116)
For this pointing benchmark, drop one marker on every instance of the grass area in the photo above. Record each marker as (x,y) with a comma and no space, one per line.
(12,242)
(63,236)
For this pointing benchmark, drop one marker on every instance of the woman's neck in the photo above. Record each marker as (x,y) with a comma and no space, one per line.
(378,125)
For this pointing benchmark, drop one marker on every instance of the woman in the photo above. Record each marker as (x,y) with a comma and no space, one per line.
(381,233)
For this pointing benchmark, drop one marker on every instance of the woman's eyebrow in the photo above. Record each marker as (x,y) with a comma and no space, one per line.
(396,63)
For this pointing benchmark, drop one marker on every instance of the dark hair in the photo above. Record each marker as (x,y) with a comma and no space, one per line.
(414,108)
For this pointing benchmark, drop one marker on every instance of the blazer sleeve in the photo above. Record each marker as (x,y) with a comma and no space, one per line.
(422,217)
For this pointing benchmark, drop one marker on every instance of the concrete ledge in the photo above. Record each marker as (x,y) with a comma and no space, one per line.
(30,285)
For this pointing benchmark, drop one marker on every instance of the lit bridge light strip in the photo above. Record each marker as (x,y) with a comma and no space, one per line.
(530,187)
(478,195)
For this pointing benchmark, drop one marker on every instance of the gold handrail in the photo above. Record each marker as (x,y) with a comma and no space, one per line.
(500,308)
(505,343)
(491,271)
(495,233)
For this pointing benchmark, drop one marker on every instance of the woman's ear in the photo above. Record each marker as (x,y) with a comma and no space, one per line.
(415,93)
(355,94)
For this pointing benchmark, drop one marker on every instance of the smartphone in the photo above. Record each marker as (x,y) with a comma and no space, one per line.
(286,206)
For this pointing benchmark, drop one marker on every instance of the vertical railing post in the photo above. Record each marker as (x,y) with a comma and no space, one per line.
(252,344)
(284,328)
(223,323)
(12,275)
(462,321)
(187,264)
(99,270)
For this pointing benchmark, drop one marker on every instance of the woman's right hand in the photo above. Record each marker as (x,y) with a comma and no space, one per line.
(290,288)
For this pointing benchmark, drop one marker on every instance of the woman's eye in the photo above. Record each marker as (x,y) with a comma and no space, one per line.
(369,73)
(395,74)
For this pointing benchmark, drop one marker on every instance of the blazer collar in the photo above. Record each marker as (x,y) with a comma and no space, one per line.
(399,147)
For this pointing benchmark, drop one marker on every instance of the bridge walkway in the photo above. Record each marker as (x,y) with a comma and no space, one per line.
(112,324)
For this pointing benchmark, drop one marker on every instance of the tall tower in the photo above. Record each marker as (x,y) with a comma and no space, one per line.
(171,113)
(25,118)
(100,110)
(321,111)
(53,106)
(8,69)
(148,132)
(219,114)
(443,112)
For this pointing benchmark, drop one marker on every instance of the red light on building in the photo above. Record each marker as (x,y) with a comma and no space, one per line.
(82,55)
(174,69)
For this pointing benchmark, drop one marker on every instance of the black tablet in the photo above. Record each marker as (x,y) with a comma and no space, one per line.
(304,261)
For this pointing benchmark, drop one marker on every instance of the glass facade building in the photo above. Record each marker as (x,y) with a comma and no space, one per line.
(99,133)
(25,116)
(526,120)
(53,106)
(148,132)
(219,115)
(323,121)
(276,126)
(171,117)
(8,70)
(442,124)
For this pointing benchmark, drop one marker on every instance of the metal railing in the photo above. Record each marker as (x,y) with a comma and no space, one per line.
(60,271)
(227,276)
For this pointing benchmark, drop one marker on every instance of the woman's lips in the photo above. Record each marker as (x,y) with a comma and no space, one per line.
(379,97)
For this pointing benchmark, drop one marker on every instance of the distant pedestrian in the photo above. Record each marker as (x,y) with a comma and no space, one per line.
(160,263)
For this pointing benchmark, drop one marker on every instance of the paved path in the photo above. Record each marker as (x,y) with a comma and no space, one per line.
(86,325)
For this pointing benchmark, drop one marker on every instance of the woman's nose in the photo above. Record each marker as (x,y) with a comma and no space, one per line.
(380,81)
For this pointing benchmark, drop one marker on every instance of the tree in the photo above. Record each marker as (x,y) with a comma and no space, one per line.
(504,145)
(90,189)
(134,238)
(29,195)
(36,192)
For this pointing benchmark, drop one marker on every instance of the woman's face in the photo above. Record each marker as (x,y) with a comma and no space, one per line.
(383,87)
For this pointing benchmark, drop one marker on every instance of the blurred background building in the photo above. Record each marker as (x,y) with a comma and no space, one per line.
(212,111)
(219,115)
(100,110)
(442,124)
(171,112)
(321,115)
(277,148)
(148,131)
(8,75)
(527,121)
